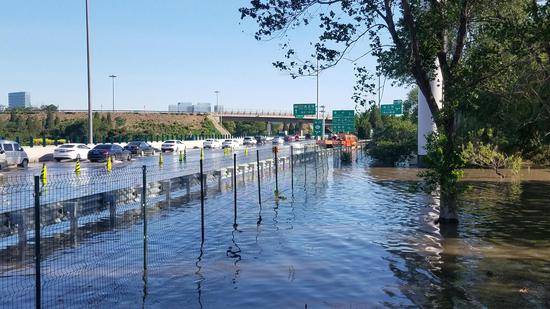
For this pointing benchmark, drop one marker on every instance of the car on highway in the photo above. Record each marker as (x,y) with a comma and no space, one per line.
(172,146)
(11,153)
(71,152)
(289,138)
(278,140)
(249,141)
(211,144)
(261,140)
(230,143)
(101,152)
(140,148)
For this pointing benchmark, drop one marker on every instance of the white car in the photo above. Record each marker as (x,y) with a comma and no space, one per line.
(249,141)
(173,146)
(278,140)
(212,143)
(71,152)
(12,154)
(230,143)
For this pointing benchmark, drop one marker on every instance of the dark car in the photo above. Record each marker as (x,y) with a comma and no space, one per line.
(260,140)
(101,152)
(289,138)
(140,148)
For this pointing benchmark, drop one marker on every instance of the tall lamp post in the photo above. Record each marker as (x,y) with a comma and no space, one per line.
(90,119)
(113,79)
(217,92)
(323,122)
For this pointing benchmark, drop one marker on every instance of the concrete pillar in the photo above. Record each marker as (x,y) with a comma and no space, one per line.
(73,218)
(426,124)
(21,222)
(167,186)
(268,128)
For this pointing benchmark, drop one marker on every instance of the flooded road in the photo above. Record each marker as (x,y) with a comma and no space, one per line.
(350,236)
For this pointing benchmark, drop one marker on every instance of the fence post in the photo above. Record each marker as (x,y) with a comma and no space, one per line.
(144,217)
(202,198)
(292,169)
(276,150)
(259,186)
(234,190)
(37,244)
(305,166)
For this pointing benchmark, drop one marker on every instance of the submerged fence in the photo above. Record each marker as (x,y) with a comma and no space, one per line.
(60,239)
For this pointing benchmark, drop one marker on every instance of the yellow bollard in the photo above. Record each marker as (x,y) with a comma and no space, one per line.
(202,153)
(109,165)
(44,174)
(246,151)
(77,167)
(161,159)
(181,156)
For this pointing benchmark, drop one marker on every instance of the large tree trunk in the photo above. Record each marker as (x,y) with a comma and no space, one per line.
(448,209)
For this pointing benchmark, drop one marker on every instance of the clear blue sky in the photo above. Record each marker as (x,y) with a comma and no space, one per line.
(163,52)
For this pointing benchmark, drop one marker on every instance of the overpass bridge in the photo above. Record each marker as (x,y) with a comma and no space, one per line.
(260,115)
(269,117)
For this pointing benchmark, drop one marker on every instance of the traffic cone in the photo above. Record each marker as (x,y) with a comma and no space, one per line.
(161,159)
(109,165)
(44,174)
(77,167)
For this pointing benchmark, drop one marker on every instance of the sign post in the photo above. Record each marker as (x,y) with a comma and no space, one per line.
(318,127)
(301,110)
(392,109)
(343,121)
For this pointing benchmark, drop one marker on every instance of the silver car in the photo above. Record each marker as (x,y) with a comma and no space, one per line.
(12,154)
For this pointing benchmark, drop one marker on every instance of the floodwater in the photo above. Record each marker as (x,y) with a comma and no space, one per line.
(346,236)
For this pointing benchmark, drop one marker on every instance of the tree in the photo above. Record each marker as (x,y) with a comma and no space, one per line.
(395,141)
(426,37)
(410,105)
(375,118)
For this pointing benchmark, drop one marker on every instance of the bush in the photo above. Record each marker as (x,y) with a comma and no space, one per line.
(394,142)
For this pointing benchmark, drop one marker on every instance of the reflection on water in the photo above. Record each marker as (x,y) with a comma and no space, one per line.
(356,237)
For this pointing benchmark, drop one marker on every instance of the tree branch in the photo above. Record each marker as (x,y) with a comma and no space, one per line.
(461,35)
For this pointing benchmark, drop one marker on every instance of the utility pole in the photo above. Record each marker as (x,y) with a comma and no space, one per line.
(113,78)
(379,97)
(323,122)
(90,117)
(317,107)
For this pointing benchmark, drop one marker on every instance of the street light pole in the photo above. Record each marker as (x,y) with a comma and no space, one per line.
(217,92)
(317,108)
(90,117)
(323,122)
(113,78)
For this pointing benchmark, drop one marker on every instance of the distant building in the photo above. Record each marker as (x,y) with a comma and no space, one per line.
(189,108)
(185,107)
(2,108)
(19,99)
(218,108)
(202,108)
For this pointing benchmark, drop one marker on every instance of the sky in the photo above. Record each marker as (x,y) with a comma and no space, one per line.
(163,52)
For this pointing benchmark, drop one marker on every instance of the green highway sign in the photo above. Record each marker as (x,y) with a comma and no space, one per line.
(301,110)
(343,121)
(392,109)
(318,127)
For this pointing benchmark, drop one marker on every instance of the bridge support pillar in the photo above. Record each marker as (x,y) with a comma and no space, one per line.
(268,128)
(426,124)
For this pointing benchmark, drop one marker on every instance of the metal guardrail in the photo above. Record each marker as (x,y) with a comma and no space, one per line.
(41,218)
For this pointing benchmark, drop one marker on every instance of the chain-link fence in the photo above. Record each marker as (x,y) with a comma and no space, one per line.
(102,236)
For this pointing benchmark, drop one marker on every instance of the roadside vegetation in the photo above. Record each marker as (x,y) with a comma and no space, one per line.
(493,57)
(24,124)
